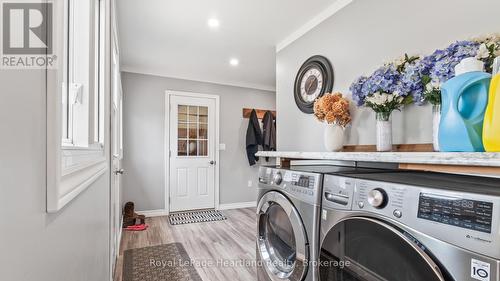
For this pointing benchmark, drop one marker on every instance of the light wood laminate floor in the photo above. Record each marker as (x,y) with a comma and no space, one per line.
(219,250)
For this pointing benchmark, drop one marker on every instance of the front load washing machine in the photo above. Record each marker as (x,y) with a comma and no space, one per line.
(288,216)
(410,226)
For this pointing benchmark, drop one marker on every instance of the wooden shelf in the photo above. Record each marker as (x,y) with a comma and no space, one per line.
(453,169)
(424,147)
(260,112)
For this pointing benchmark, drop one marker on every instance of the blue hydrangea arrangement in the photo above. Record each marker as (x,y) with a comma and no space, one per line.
(419,79)
(385,90)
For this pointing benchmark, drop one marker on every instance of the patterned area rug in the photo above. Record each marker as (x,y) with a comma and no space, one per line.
(159,263)
(195,217)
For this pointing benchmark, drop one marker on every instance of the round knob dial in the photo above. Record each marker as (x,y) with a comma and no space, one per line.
(377,198)
(277,178)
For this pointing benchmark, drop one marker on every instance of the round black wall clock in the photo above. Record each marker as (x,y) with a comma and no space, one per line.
(314,79)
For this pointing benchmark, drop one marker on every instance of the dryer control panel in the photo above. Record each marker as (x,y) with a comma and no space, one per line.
(301,185)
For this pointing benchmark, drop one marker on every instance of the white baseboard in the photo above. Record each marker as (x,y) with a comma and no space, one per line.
(153,213)
(162,212)
(239,205)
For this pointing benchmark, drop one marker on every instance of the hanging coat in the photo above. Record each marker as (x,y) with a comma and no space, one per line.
(254,138)
(269,132)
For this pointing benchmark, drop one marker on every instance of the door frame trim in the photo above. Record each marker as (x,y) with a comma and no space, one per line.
(168,94)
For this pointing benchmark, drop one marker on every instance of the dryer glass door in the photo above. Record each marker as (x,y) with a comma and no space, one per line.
(364,249)
(282,239)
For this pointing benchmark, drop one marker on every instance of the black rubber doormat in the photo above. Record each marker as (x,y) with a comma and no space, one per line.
(196,217)
(164,262)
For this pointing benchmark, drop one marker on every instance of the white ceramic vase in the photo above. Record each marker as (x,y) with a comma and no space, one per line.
(436,119)
(384,131)
(334,137)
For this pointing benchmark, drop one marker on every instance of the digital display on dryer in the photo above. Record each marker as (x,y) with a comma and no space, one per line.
(303,181)
(465,213)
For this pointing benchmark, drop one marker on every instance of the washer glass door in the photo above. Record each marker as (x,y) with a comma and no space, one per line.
(365,249)
(281,238)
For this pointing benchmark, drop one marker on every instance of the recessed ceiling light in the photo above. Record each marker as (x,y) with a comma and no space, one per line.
(213,23)
(234,62)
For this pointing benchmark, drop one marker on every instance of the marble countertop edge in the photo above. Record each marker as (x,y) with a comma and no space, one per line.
(491,159)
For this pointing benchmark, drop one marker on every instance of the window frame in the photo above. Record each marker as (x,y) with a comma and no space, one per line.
(83,112)
(77,142)
(116,99)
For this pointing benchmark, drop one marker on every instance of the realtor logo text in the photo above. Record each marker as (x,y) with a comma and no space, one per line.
(27,35)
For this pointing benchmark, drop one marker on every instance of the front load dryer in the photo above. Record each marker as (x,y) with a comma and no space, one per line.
(288,217)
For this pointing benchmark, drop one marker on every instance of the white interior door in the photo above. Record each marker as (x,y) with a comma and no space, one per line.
(117,154)
(115,181)
(192,153)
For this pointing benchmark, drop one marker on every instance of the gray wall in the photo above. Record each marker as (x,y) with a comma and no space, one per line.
(35,246)
(144,117)
(360,38)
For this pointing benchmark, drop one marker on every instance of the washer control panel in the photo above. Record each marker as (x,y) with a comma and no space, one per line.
(380,197)
(465,213)
(469,220)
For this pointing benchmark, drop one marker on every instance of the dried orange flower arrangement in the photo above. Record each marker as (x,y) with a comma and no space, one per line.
(332,108)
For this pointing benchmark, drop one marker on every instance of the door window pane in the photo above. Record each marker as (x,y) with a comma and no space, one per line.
(182,147)
(192,130)
(183,117)
(193,148)
(202,131)
(182,130)
(182,109)
(203,148)
(203,117)
(193,114)
(203,110)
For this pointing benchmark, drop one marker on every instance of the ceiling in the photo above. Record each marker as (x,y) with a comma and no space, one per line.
(172,37)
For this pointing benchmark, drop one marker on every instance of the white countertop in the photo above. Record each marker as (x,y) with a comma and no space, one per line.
(439,158)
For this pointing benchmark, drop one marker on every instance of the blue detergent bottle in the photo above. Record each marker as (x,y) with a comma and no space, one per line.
(464,99)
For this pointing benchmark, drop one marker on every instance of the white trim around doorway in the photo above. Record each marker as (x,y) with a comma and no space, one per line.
(168,94)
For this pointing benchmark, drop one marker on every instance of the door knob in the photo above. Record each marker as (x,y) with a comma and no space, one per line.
(119,172)
(212,162)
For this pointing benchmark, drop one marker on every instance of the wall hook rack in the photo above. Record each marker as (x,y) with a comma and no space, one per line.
(260,112)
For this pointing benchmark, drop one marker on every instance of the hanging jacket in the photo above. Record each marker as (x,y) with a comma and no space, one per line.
(269,132)
(253,139)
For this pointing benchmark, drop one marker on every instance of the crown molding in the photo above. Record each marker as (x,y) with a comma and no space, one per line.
(138,70)
(319,18)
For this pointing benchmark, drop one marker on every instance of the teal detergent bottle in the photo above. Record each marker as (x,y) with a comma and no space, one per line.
(464,99)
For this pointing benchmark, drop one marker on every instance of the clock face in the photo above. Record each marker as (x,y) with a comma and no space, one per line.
(314,79)
(311,85)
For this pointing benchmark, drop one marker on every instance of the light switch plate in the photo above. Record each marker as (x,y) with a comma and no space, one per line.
(222,146)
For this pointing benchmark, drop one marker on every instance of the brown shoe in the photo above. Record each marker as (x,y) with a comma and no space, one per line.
(128,210)
(130,217)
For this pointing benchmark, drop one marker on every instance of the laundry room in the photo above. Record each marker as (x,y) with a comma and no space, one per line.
(250,140)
